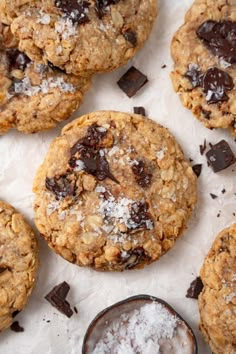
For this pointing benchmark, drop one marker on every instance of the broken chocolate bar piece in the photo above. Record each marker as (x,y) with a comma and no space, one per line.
(195,288)
(16,327)
(220,156)
(197,169)
(132,81)
(57,298)
(140,110)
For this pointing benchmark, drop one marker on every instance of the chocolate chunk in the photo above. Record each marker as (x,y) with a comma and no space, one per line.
(132,81)
(75,10)
(207,114)
(197,169)
(213,196)
(131,37)
(195,75)
(142,177)
(90,153)
(215,84)
(61,186)
(16,327)
(139,254)
(102,5)
(57,298)
(195,288)
(17,59)
(220,156)
(140,218)
(219,38)
(202,148)
(140,110)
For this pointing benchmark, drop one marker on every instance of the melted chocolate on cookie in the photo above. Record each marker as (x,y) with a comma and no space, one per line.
(61,186)
(75,10)
(219,38)
(142,177)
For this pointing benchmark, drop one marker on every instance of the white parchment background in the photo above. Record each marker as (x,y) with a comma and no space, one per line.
(168,278)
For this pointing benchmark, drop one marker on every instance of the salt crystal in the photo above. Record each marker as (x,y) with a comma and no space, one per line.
(80,166)
(45,19)
(230,297)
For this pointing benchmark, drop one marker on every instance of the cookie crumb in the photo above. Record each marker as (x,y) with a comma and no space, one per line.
(140,110)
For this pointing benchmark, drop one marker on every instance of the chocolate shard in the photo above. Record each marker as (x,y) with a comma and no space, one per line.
(131,37)
(17,59)
(16,327)
(143,178)
(197,169)
(219,38)
(135,257)
(195,289)
(57,298)
(215,84)
(132,81)
(220,156)
(213,196)
(75,10)
(202,148)
(61,186)
(140,110)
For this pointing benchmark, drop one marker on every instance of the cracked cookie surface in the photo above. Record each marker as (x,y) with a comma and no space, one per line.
(81,37)
(114,191)
(204,74)
(34,97)
(18,263)
(217,302)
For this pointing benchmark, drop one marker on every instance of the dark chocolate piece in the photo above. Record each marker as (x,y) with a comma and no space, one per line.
(202,148)
(61,186)
(17,59)
(57,298)
(213,196)
(75,309)
(140,256)
(215,84)
(219,38)
(194,74)
(197,169)
(223,191)
(195,288)
(143,178)
(90,153)
(132,81)
(140,110)
(207,114)
(131,37)
(140,218)
(164,66)
(220,156)
(16,327)
(75,10)
(102,5)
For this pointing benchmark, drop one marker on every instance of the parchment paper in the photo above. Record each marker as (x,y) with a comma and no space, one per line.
(168,278)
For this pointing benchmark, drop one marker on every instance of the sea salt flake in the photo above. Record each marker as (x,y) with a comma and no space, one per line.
(230,297)
(80,166)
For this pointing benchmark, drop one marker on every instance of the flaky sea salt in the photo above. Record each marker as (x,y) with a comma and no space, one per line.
(230,297)
(80,166)
(45,19)
(65,28)
(139,331)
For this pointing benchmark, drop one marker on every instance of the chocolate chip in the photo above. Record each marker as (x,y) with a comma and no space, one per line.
(57,298)
(17,59)
(220,156)
(202,148)
(164,66)
(195,288)
(75,10)
(219,38)
(61,186)
(213,196)
(140,217)
(16,327)
(140,110)
(91,155)
(207,114)
(75,309)
(135,257)
(102,5)
(132,81)
(197,169)
(215,84)
(142,177)
(194,74)
(131,37)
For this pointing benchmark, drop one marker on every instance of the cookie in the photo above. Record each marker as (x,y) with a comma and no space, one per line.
(34,97)
(18,263)
(114,191)
(81,37)
(217,301)
(204,55)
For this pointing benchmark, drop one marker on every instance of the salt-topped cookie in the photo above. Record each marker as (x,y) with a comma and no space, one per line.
(114,191)
(34,97)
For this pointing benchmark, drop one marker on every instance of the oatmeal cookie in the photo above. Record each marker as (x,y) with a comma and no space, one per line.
(114,191)
(217,302)
(81,37)
(204,55)
(34,97)
(18,263)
